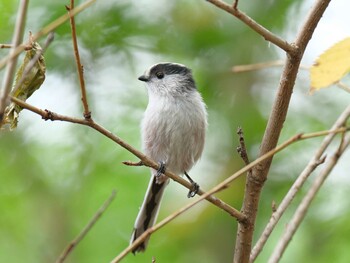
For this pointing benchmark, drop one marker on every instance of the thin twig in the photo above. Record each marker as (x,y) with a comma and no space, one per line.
(241,149)
(11,63)
(87,113)
(303,207)
(262,65)
(48,115)
(25,46)
(86,229)
(266,34)
(47,29)
(257,66)
(316,160)
(343,86)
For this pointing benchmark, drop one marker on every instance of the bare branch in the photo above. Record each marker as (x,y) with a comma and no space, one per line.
(223,185)
(47,29)
(86,229)
(48,115)
(343,86)
(266,34)
(316,160)
(11,63)
(303,207)
(87,113)
(25,47)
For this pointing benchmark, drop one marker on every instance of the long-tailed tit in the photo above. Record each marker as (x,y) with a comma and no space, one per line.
(173,133)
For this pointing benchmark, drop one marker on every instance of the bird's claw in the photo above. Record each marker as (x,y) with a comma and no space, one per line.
(161,169)
(194,190)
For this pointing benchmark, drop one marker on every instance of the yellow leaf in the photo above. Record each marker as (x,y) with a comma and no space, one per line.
(331,66)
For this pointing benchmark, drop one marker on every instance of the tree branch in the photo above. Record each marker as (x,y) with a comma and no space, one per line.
(223,185)
(48,115)
(275,123)
(47,29)
(266,34)
(313,163)
(86,229)
(11,63)
(87,113)
(303,207)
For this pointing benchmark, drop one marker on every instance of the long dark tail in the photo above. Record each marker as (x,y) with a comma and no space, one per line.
(148,212)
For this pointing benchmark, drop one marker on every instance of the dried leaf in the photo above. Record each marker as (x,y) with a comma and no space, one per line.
(24,88)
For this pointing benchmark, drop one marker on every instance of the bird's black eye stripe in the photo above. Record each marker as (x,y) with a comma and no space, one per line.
(159,75)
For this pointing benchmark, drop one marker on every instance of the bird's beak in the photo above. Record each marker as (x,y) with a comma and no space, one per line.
(143,78)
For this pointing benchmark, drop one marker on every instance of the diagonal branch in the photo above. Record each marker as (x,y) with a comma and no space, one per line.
(223,185)
(86,229)
(303,207)
(48,115)
(266,34)
(313,163)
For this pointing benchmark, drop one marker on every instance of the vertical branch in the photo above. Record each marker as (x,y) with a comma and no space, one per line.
(87,113)
(11,64)
(275,123)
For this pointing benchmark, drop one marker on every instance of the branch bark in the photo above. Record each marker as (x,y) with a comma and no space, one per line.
(274,126)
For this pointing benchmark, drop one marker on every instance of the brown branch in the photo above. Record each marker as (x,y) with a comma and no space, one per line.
(303,207)
(47,29)
(224,184)
(343,86)
(257,66)
(266,34)
(86,229)
(87,113)
(11,63)
(316,160)
(48,115)
(272,132)
(262,65)
(25,46)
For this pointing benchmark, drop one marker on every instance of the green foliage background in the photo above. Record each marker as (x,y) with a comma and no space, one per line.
(54,176)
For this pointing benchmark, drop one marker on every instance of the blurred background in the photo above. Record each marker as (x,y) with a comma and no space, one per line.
(55,175)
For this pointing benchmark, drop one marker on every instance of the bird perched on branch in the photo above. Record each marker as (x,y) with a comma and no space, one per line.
(173,134)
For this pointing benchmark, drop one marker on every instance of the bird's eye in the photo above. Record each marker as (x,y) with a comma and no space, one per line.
(160,75)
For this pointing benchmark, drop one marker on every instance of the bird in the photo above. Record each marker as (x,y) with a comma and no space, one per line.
(173,132)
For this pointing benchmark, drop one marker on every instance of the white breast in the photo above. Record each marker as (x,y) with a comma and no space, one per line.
(173,130)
